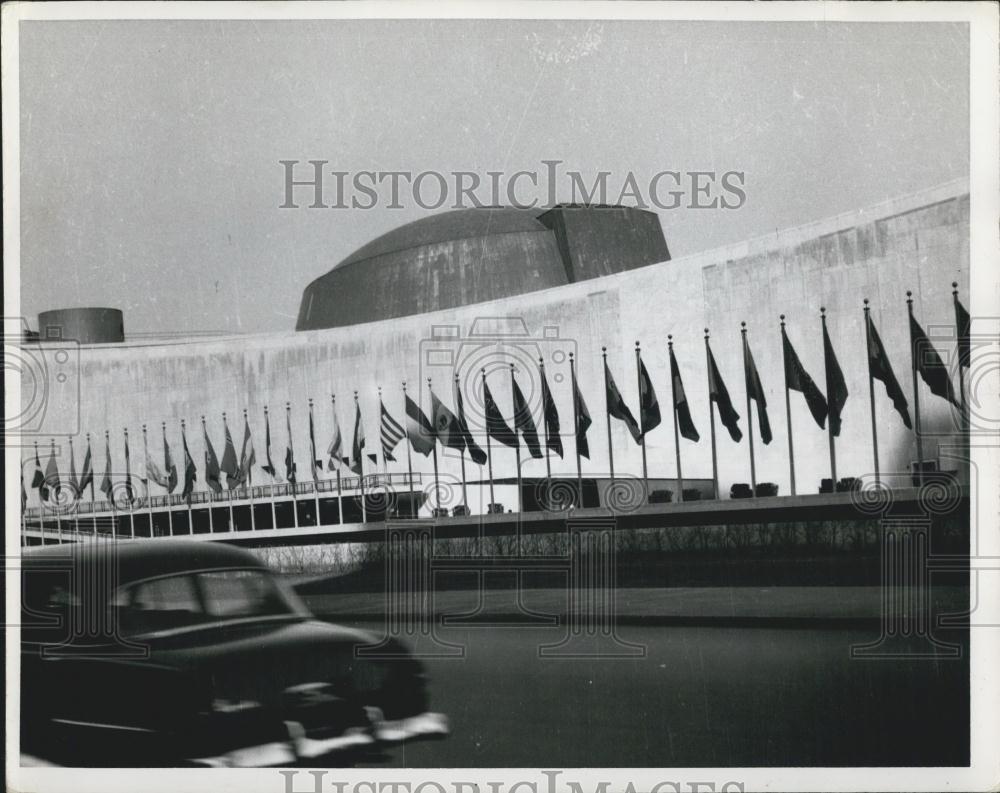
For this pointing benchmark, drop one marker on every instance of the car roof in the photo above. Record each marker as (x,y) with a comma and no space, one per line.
(140,559)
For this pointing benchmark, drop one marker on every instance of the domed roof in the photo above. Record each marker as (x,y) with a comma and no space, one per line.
(457,224)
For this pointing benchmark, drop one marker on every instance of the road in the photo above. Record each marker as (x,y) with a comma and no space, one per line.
(702,696)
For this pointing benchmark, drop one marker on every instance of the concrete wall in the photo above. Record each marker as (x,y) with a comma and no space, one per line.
(917,242)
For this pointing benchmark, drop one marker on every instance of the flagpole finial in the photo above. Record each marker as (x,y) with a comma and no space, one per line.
(265,410)
(954,288)
(865,301)
(743,326)
(571,356)
(822,309)
(541,361)
(909,296)
(637,345)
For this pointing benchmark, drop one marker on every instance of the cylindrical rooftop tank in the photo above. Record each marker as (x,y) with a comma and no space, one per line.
(82,325)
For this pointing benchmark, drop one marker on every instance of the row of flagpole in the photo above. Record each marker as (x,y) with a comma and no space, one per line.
(451,429)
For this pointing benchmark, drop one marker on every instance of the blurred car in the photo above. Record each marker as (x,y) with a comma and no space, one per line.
(166,653)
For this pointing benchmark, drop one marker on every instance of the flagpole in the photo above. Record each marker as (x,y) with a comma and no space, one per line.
(677,436)
(746,382)
(91,484)
(337,463)
(294,468)
(149,496)
(272,472)
(958,334)
(409,459)
(249,472)
(188,499)
(312,459)
(229,492)
(211,520)
(489,453)
(170,511)
(607,415)
(916,393)
(788,409)
(437,489)
(517,446)
(545,419)
(871,386)
(576,430)
(465,494)
(114,508)
(128,479)
(638,375)
(829,423)
(361,463)
(54,491)
(711,418)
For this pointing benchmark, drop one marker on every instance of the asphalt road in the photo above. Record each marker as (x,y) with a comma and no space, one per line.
(702,696)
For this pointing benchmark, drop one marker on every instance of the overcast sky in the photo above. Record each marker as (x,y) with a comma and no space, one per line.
(150,171)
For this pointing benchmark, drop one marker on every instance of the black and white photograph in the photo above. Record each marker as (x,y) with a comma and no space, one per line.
(487,398)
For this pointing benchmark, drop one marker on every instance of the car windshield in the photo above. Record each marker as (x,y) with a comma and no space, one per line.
(195,599)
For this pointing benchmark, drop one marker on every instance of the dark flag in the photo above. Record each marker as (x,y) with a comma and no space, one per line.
(248,457)
(963,324)
(106,485)
(836,388)
(335,451)
(446,425)
(551,415)
(229,464)
(129,493)
(38,479)
(419,428)
(523,420)
(52,475)
(168,464)
(718,393)
(74,483)
(929,364)
(314,462)
(290,466)
(268,469)
(583,420)
(680,402)
(213,474)
(617,407)
(798,379)
(495,424)
(392,433)
(359,441)
(649,407)
(478,455)
(755,389)
(190,473)
(880,369)
(87,476)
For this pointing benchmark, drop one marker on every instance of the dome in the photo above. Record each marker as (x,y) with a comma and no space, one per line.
(471,256)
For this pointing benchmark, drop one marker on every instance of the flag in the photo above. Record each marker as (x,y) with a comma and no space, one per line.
(496,427)
(649,407)
(87,476)
(718,393)
(359,441)
(52,475)
(617,406)
(478,455)
(335,451)
(583,421)
(684,421)
(391,433)
(963,324)
(129,492)
(798,379)
(74,483)
(314,462)
(836,388)
(419,429)
(755,390)
(168,464)
(523,420)
(552,439)
(213,474)
(229,464)
(269,469)
(446,425)
(106,485)
(290,467)
(247,455)
(38,479)
(880,369)
(929,364)
(153,472)
(190,473)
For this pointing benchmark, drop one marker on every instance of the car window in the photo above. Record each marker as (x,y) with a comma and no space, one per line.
(241,593)
(161,604)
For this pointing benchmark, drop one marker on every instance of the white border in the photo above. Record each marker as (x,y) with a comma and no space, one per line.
(985,302)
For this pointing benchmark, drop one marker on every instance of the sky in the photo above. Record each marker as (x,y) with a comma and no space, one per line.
(150,150)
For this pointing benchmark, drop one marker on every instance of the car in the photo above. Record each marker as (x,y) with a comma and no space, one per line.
(161,653)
